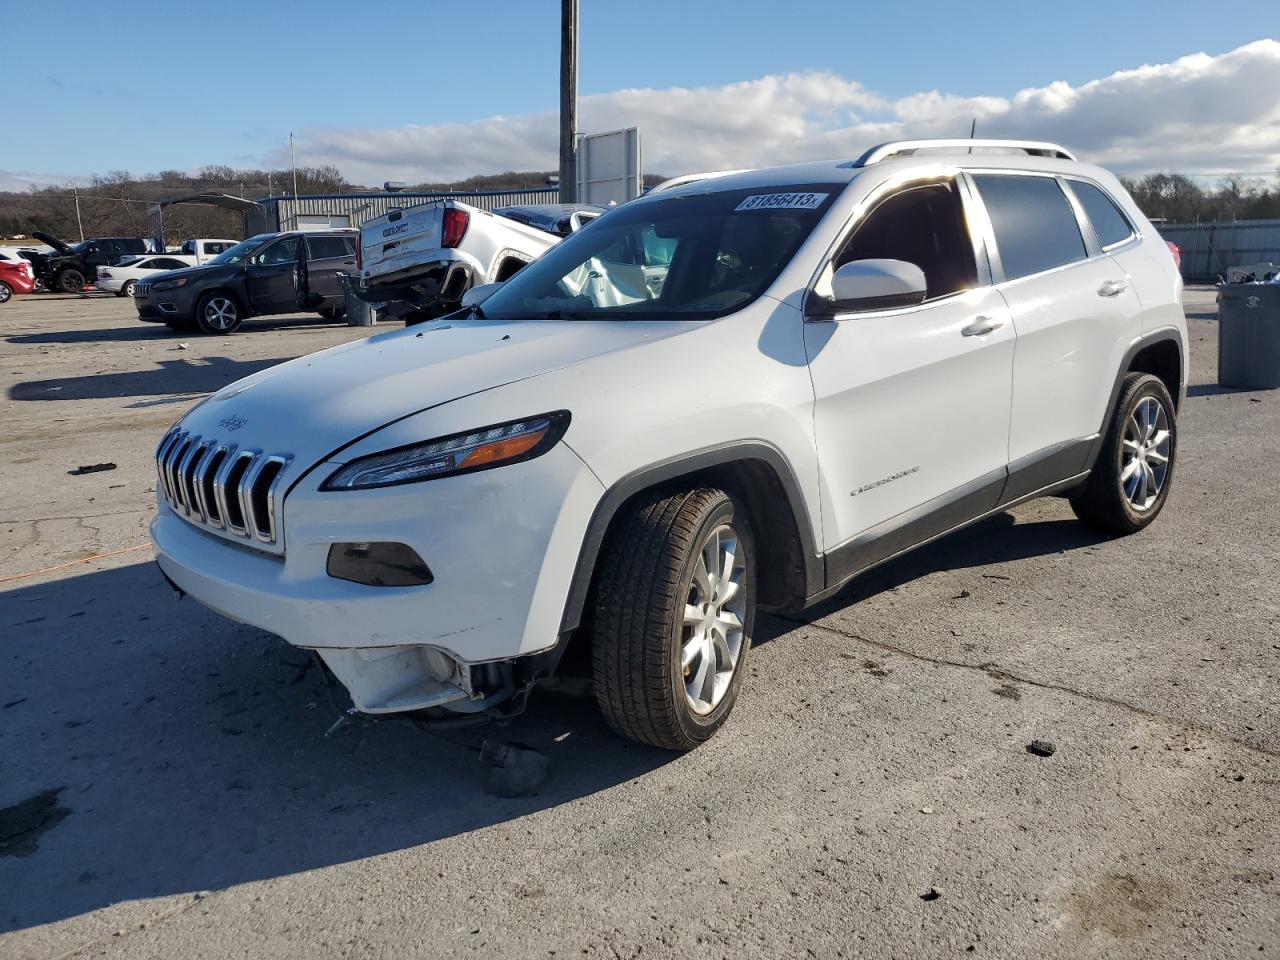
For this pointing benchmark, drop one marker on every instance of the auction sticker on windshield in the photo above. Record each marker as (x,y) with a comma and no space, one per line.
(783,201)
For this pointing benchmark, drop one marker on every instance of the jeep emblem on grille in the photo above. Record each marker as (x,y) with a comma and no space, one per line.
(232,422)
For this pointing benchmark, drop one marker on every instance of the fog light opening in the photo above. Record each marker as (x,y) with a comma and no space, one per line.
(378,564)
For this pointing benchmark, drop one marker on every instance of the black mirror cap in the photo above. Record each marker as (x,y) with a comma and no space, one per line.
(819,307)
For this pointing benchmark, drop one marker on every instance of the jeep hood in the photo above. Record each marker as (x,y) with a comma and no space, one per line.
(50,240)
(313,406)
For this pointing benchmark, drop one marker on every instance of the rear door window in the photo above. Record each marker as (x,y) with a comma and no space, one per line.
(1035,226)
(1111,226)
(326,248)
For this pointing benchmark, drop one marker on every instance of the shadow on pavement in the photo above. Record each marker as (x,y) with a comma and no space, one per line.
(187,377)
(191,755)
(158,331)
(995,540)
(1214,390)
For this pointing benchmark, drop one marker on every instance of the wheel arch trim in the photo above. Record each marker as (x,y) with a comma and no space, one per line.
(653,475)
(1163,335)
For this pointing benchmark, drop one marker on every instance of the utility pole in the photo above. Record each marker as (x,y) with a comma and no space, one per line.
(76,191)
(568,100)
(293,159)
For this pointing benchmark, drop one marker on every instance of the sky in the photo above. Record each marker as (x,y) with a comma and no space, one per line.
(430,91)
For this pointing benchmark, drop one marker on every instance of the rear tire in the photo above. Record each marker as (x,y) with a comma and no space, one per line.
(1130,481)
(218,313)
(6,292)
(127,289)
(670,635)
(69,281)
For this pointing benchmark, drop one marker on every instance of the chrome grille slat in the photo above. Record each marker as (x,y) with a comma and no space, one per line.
(186,470)
(222,487)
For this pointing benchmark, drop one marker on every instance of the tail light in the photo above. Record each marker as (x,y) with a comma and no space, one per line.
(455,226)
(104,273)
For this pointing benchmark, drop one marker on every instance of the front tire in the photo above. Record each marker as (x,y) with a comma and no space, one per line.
(69,281)
(218,314)
(674,609)
(1130,481)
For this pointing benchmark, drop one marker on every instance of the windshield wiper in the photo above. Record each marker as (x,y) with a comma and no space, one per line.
(562,315)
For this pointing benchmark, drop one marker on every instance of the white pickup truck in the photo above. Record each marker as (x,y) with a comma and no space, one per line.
(419,261)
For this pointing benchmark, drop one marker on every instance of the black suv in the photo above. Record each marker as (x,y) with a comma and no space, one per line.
(70,267)
(267,274)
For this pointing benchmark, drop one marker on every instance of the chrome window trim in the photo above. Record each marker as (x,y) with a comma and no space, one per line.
(1134,233)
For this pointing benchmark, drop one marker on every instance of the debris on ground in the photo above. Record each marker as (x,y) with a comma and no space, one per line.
(962,595)
(930,895)
(509,769)
(184,346)
(91,468)
(1041,748)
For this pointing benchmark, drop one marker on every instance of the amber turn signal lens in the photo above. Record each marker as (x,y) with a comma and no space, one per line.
(501,450)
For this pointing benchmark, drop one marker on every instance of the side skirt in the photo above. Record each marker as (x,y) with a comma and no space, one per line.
(1042,474)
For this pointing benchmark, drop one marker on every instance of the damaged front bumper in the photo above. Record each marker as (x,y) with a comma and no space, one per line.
(473,637)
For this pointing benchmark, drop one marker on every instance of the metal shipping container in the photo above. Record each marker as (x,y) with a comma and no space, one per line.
(1209,250)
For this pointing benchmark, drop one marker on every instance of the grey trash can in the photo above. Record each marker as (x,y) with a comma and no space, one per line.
(1249,335)
(360,313)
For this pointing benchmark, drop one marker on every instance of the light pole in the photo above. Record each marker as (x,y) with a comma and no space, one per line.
(568,100)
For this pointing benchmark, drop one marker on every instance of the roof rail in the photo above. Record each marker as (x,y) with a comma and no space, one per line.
(899,148)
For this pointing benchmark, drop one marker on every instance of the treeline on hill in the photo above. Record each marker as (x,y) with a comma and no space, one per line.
(116,204)
(1179,199)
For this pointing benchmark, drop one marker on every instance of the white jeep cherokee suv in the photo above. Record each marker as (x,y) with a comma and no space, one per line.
(733,395)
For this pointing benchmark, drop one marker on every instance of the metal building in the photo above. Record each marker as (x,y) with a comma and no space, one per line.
(1209,250)
(326,211)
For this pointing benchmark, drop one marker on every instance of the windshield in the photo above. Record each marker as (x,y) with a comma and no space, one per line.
(242,249)
(692,257)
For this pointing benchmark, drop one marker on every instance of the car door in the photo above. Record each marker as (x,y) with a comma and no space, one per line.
(328,259)
(271,277)
(1074,312)
(911,404)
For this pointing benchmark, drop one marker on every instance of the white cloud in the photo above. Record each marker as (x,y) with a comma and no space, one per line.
(1199,113)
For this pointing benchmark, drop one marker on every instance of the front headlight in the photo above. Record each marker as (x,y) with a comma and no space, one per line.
(461,453)
(169,284)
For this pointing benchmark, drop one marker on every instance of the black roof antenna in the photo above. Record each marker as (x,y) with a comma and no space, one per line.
(973,128)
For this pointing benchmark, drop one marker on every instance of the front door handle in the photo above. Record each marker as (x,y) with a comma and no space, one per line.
(981,326)
(1112,288)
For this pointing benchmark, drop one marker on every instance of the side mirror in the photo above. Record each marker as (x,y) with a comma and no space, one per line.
(877,285)
(478,295)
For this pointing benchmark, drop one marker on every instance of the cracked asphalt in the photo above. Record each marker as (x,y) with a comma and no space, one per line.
(168,789)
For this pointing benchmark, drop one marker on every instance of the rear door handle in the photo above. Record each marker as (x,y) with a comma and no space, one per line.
(1112,288)
(981,326)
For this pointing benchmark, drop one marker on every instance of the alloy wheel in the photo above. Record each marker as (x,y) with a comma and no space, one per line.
(1145,454)
(220,313)
(711,636)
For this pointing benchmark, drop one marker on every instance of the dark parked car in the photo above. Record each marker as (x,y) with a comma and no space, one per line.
(71,266)
(267,274)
